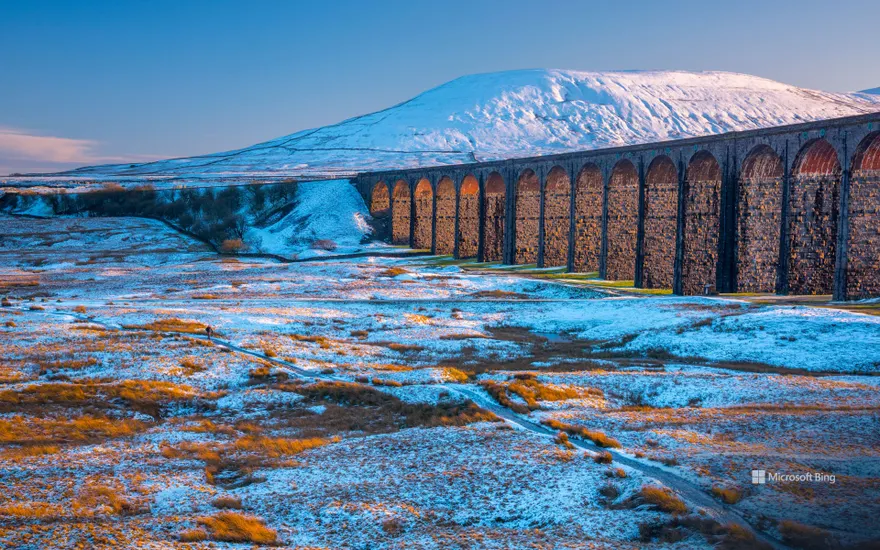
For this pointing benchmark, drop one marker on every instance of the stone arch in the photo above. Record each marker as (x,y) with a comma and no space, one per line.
(469,217)
(380,200)
(557,208)
(759,220)
(400,213)
(588,218)
(623,221)
(422,231)
(528,217)
(863,244)
(812,219)
(661,214)
(445,226)
(701,219)
(494,208)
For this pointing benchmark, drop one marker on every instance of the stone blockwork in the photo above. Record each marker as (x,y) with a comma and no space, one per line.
(863,268)
(702,201)
(759,221)
(380,202)
(469,218)
(401,214)
(422,232)
(623,220)
(557,208)
(588,219)
(812,220)
(661,213)
(494,208)
(445,227)
(528,218)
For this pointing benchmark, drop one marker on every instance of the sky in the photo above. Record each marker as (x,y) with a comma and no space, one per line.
(126,81)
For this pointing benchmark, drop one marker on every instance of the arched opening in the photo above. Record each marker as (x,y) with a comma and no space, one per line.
(588,219)
(494,206)
(661,213)
(469,217)
(759,222)
(422,232)
(812,219)
(400,213)
(557,206)
(445,240)
(702,201)
(380,200)
(528,218)
(623,222)
(863,250)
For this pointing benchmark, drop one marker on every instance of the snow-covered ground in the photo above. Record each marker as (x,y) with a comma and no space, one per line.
(702,389)
(503,115)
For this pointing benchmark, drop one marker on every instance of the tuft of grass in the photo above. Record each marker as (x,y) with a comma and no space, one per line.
(452,374)
(662,498)
(728,495)
(275,447)
(238,527)
(227,503)
(79,309)
(193,535)
(603,458)
(172,324)
(803,536)
(392,527)
(34,431)
(597,437)
(10,324)
(393,272)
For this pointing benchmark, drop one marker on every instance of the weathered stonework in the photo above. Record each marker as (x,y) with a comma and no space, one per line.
(469,218)
(622,224)
(422,232)
(759,223)
(588,219)
(445,227)
(812,220)
(401,214)
(381,200)
(494,207)
(863,267)
(557,207)
(702,201)
(528,218)
(661,212)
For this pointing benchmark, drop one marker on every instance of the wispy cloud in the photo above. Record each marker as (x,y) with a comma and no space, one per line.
(22,150)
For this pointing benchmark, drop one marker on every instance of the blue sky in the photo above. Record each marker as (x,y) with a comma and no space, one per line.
(91,82)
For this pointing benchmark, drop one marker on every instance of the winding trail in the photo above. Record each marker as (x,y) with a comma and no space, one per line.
(693,495)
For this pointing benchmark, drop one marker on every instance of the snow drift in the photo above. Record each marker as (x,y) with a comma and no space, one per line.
(520,113)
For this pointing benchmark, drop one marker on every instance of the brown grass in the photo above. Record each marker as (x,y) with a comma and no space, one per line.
(799,535)
(664,499)
(80,309)
(403,348)
(728,495)
(597,437)
(227,502)
(238,527)
(231,246)
(35,431)
(193,535)
(603,458)
(172,324)
(393,272)
(277,447)
(10,324)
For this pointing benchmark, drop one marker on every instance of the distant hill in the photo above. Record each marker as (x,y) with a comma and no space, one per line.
(520,113)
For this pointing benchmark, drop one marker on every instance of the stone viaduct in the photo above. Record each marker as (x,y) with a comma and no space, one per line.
(791,209)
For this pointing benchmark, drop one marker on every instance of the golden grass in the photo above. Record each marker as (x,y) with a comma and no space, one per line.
(276,447)
(238,527)
(80,309)
(596,436)
(136,392)
(728,495)
(227,502)
(32,510)
(453,374)
(393,272)
(172,324)
(664,499)
(193,535)
(39,431)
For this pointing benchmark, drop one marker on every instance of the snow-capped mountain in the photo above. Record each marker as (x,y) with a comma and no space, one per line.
(521,113)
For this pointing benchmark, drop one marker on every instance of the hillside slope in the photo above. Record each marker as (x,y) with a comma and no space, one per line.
(522,113)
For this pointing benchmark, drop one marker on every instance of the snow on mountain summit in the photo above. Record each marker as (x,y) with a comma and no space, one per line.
(523,113)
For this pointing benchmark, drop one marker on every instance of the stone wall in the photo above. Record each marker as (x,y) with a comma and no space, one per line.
(759,222)
(445,240)
(661,213)
(863,252)
(557,207)
(469,218)
(528,218)
(622,225)
(380,201)
(702,203)
(422,232)
(588,219)
(401,214)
